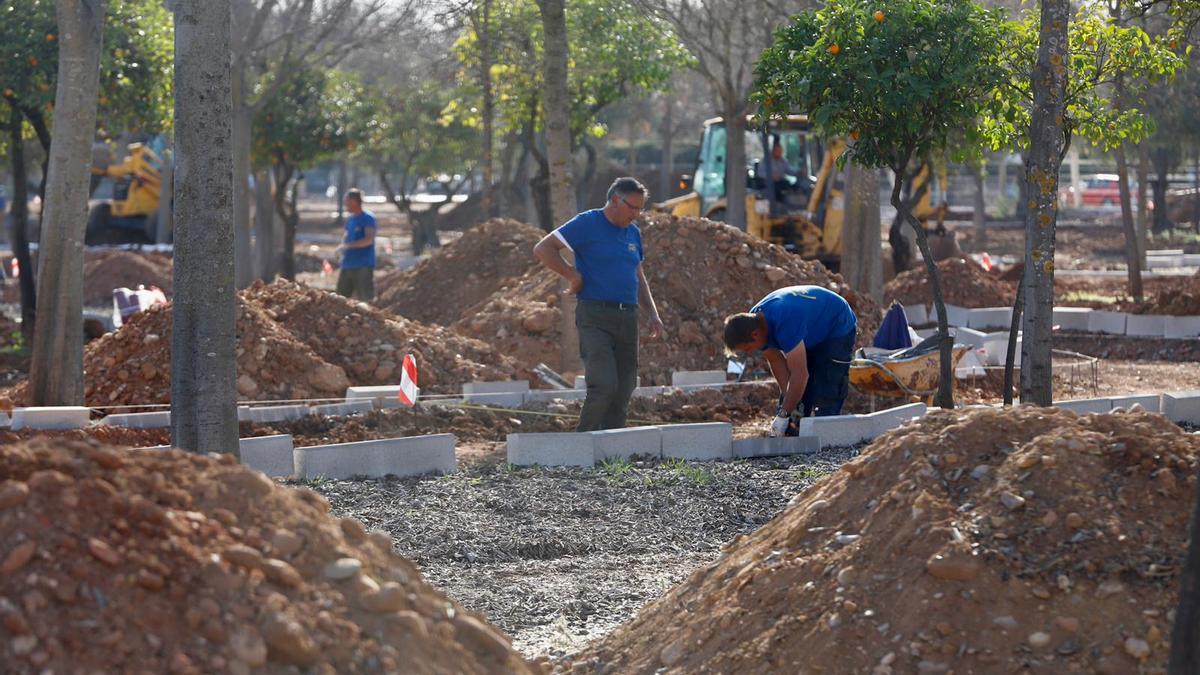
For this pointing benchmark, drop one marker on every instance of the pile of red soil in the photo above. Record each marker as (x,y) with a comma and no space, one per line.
(1180,298)
(977,541)
(143,561)
(461,274)
(699,271)
(105,270)
(369,344)
(964,283)
(294,342)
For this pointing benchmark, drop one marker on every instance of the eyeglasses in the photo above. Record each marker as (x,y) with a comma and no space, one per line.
(639,209)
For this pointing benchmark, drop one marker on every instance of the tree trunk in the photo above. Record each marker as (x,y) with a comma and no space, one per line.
(1133,261)
(1143,211)
(1042,165)
(266,247)
(589,173)
(1162,166)
(166,223)
(243,251)
(18,216)
(945,391)
(735,164)
(282,175)
(667,170)
(1010,355)
(979,208)
(1002,176)
(203,338)
(1185,635)
(56,370)
(862,246)
(558,153)
(631,132)
(489,108)
(342,186)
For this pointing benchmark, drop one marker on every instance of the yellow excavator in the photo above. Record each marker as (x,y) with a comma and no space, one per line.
(803,209)
(131,216)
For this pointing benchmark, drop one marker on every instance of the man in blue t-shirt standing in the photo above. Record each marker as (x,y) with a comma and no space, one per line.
(807,335)
(357,276)
(608,280)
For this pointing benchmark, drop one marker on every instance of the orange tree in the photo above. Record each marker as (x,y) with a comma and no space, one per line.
(902,80)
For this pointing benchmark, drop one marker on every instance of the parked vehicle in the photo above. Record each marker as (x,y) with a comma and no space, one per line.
(1101,189)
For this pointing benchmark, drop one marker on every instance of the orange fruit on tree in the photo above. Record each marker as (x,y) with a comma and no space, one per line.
(33,61)
(1132,51)
(854,134)
(43,86)
(49,37)
(8,92)
(879,16)
(1172,44)
(834,49)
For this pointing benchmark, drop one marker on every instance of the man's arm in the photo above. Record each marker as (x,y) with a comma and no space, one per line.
(547,251)
(367,240)
(657,329)
(797,365)
(779,368)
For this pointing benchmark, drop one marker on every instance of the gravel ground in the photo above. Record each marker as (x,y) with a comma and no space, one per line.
(559,557)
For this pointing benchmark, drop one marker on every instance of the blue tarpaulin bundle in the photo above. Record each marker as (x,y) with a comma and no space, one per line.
(893,332)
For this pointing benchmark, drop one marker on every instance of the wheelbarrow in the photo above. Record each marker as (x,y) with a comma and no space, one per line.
(911,373)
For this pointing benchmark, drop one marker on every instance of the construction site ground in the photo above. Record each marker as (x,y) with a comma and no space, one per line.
(562,559)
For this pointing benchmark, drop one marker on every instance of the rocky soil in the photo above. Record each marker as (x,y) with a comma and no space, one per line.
(964,283)
(559,557)
(119,561)
(978,541)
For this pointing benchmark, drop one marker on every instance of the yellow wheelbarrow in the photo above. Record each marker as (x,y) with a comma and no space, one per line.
(911,373)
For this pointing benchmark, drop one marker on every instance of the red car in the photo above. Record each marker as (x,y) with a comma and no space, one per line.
(1099,190)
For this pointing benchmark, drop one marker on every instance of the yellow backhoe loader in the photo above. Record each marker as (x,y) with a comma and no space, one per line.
(804,209)
(131,217)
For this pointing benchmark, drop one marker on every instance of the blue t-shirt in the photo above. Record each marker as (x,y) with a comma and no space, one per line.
(808,314)
(356,230)
(606,256)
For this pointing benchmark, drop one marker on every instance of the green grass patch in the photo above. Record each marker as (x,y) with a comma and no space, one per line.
(688,471)
(616,466)
(805,473)
(1090,297)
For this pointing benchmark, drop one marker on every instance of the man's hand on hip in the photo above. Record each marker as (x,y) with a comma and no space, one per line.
(575,279)
(657,329)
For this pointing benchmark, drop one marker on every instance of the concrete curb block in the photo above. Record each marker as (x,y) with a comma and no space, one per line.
(505,394)
(1145,325)
(551,449)
(51,417)
(643,392)
(1074,319)
(1084,406)
(272,455)
(276,413)
(840,430)
(411,456)
(748,448)
(969,336)
(339,409)
(917,315)
(955,315)
(684,378)
(995,350)
(1113,323)
(1149,402)
(543,395)
(886,420)
(1181,326)
(702,442)
(147,420)
(626,443)
(1182,406)
(989,317)
(384,396)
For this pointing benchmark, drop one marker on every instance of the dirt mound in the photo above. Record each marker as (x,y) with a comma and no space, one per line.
(979,541)
(700,271)
(189,564)
(1181,298)
(133,365)
(369,344)
(461,274)
(964,283)
(105,270)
